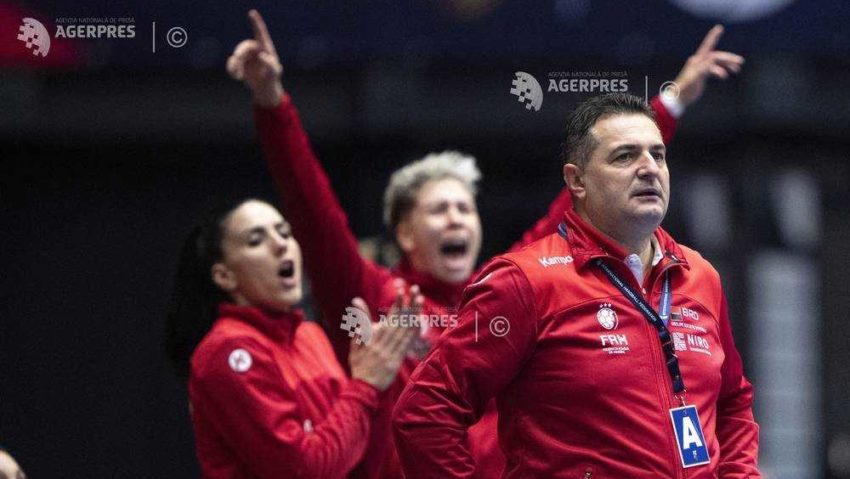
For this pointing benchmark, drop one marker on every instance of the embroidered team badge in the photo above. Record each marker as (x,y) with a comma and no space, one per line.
(240,360)
(607,317)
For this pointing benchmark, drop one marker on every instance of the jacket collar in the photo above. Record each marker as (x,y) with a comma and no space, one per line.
(586,242)
(438,291)
(278,326)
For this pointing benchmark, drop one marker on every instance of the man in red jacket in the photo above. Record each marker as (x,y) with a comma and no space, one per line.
(429,221)
(591,381)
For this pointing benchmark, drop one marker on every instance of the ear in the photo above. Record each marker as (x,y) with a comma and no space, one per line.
(404,236)
(224,277)
(575,182)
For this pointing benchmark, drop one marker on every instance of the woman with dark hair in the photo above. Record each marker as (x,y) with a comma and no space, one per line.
(267,395)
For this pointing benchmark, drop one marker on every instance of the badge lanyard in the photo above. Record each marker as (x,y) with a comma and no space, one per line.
(656,320)
(690,439)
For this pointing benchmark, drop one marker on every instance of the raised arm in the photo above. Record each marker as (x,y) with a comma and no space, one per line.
(336,269)
(688,87)
(450,390)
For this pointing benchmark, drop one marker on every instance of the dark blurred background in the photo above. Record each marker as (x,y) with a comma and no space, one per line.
(111,148)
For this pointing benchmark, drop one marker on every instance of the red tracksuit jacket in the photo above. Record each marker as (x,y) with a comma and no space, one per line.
(269,400)
(339,273)
(580,395)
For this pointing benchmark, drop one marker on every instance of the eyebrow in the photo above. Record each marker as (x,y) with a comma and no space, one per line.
(444,201)
(261,229)
(635,146)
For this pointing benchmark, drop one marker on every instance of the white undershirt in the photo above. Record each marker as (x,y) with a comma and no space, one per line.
(636,266)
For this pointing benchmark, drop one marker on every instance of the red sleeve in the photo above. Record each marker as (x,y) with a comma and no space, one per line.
(666,122)
(737,431)
(549,223)
(257,415)
(449,391)
(337,271)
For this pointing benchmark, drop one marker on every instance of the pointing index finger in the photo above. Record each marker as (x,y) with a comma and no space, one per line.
(710,40)
(261,32)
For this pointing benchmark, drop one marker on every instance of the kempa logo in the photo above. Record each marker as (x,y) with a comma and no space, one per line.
(358,325)
(527,90)
(33,34)
(555,260)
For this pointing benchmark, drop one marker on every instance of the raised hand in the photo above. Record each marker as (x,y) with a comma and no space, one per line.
(378,360)
(254,61)
(704,63)
(410,305)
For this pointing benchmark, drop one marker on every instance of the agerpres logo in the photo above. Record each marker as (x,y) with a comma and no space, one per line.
(95,27)
(554,260)
(358,325)
(527,90)
(34,36)
(593,82)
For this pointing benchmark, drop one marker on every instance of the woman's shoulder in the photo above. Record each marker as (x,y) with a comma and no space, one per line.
(226,337)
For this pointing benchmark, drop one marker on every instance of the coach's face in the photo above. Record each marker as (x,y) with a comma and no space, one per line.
(624,188)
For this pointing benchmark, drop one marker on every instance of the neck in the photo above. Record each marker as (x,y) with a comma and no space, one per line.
(637,242)
(643,250)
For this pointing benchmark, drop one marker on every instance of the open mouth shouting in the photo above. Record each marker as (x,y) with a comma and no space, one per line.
(286,272)
(454,248)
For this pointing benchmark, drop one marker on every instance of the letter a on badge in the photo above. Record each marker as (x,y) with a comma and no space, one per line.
(689,436)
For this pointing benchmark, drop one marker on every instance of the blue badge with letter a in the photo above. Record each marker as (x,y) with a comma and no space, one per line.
(689,438)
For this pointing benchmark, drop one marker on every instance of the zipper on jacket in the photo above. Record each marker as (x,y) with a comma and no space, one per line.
(668,387)
(588,473)
(667,393)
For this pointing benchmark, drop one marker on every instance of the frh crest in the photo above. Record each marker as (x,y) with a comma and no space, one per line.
(606,316)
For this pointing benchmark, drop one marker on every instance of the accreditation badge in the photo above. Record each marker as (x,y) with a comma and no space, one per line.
(689,437)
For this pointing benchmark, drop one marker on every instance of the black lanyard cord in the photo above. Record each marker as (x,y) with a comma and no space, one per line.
(654,319)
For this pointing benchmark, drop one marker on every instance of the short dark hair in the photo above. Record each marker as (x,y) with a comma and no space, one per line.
(578,143)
